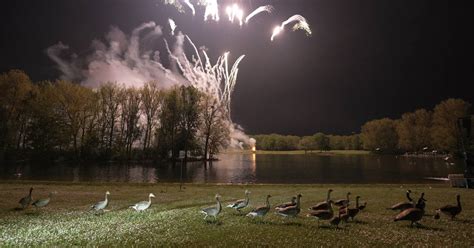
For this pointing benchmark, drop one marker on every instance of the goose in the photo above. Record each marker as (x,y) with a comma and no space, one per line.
(43,202)
(343,202)
(362,207)
(291,211)
(413,214)
(262,210)
(352,212)
(143,205)
(404,205)
(102,204)
(287,204)
(323,205)
(422,203)
(239,204)
(213,211)
(322,214)
(335,220)
(25,201)
(450,210)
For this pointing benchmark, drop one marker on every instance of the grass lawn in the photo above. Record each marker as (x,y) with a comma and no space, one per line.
(174,218)
(299,152)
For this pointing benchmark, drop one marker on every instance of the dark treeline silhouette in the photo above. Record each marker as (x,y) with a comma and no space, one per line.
(419,131)
(52,120)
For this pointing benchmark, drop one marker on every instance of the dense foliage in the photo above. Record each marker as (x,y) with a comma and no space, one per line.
(419,131)
(63,119)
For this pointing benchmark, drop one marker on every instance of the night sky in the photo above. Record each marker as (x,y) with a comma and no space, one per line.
(366,59)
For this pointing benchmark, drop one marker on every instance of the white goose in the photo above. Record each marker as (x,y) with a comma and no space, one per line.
(213,211)
(143,205)
(43,202)
(102,204)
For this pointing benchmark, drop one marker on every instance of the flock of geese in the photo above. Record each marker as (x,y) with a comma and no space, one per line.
(408,210)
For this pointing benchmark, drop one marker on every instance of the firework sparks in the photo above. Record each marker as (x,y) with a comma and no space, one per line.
(266,8)
(172,25)
(212,10)
(277,30)
(301,23)
(234,12)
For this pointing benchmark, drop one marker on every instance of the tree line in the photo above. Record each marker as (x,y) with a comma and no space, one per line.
(61,119)
(416,131)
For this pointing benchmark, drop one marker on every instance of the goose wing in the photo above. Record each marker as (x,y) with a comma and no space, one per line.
(321,214)
(402,206)
(412,214)
(236,204)
(320,206)
(293,210)
(285,205)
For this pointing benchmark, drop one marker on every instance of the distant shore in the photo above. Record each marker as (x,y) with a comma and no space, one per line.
(301,152)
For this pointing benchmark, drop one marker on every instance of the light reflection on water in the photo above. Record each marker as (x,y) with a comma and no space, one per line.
(248,168)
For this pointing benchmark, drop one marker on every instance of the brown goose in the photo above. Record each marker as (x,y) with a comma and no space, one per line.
(323,205)
(291,211)
(322,214)
(404,205)
(451,210)
(343,202)
(287,204)
(336,220)
(412,214)
(352,212)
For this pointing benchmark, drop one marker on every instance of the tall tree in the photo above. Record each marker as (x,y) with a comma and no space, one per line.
(214,130)
(151,97)
(445,132)
(380,134)
(414,130)
(15,95)
(170,118)
(322,141)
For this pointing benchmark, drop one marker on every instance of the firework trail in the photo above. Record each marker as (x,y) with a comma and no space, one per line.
(191,6)
(235,12)
(266,8)
(173,25)
(301,23)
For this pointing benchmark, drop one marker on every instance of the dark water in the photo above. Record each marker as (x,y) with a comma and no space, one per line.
(249,168)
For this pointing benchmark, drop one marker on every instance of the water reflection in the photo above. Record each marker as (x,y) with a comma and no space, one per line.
(247,168)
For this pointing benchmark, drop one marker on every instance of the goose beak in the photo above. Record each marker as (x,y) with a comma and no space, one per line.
(152,195)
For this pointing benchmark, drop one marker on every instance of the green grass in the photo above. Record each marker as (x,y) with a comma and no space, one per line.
(174,218)
(300,152)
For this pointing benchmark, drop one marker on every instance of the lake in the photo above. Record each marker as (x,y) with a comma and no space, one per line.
(249,168)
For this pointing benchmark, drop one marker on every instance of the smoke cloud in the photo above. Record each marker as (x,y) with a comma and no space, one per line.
(124,60)
(119,59)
